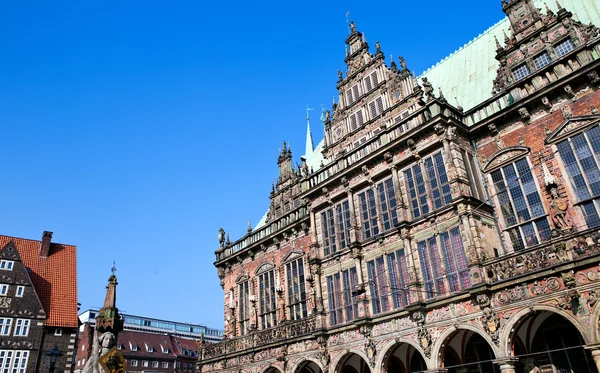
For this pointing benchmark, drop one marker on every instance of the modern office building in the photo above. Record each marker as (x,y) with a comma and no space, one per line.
(446,223)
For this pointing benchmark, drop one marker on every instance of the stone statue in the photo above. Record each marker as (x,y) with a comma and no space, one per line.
(402,63)
(428,89)
(340,75)
(377,48)
(221,237)
(352,27)
(559,211)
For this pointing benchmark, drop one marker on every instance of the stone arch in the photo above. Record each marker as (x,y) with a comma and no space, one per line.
(337,364)
(438,347)
(271,369)
(306,360)
(594,323)
(388,349)
(508,329)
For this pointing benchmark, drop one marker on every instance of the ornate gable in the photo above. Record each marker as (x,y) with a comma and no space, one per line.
(264,268)
(292,256)
(571,127)
(505,156)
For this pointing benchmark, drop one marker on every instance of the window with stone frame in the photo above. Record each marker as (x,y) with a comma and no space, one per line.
(378,283)
(244,306)
(388,281)
(343,304)
(356,119)
(542,60)
(5,325)
(398,272)
(22,327)
(352,95)
(296,289)
(520,204)
(371,81)
(267,299)
(443,259)
(427,185)
(376,107)
(378,203)
(564,47)
(521,72)
(580,155)
(335,224)
(474,176)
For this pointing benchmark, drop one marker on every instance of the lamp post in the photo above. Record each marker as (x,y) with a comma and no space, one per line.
(52,356)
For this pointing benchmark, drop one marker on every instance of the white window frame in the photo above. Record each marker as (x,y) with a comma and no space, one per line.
(155,364)
(58,332)
(7,265)
(4,290)
(22,327)
(145,363)
(5,325)
(14,361)
(20,291)
(165,364)
(134,363)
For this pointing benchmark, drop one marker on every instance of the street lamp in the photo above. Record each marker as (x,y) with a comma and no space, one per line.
(52,356)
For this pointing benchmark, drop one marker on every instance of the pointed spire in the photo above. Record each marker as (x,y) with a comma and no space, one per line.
(458,106)
(249,226)
(559,6)
(309,140)
(441,95)
(108,318)
(548,10)
(506,39)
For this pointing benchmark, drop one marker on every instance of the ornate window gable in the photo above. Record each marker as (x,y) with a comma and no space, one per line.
(505,156)
(293,255)
(571,127)
(264,268)
(242,278)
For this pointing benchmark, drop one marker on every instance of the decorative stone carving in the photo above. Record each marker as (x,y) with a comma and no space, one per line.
(323,353)
(425,341)
(491,324)
(559,210)
(569,91)
(428,89)
(492,127)
(593,77)
(418,317)
(524,113)
(439,129)
(412,145)
(592,298)
(547,104)
(566,111)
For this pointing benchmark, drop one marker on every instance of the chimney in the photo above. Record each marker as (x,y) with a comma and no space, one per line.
(45,247)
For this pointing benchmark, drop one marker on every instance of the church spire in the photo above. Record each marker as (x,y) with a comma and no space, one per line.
(108,318)
(309,140)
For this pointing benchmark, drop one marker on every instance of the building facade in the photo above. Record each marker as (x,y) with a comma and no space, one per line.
(152,325)
(38,303)
(423,235)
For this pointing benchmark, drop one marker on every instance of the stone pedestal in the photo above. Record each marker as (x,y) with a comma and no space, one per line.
(506,365)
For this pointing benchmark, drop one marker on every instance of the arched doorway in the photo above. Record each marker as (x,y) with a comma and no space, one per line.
(353,363)
(309,367)
(404,358)
(547,340)
(466,351)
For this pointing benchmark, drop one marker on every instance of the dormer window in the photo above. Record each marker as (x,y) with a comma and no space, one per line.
(6,264)
(133,347)
(164,350)
(542,60)
(564,47)
(521,72)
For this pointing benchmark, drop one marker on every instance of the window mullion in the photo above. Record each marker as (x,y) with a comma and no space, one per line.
(581,169)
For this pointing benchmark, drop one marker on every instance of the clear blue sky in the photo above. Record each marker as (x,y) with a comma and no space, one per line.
(134,129)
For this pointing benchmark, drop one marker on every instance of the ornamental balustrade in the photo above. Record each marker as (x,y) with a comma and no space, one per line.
(558,250)
(283,332)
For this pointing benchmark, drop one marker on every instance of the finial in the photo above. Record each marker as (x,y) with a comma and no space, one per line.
(393,66)
(249,226)
(506,39)
(504,3)
(227,242)
(441,95)
(559,6)
(272,187)
(458,106)
(548,10)
(114,268)
(352,27)
(378,48)
(498,46)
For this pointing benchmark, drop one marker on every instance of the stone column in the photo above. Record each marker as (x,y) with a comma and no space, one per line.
(376,189)
(400,205)
(595,350)
(354,229)
(507,365)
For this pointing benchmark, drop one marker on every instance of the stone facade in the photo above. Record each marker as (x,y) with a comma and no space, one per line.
(427,240)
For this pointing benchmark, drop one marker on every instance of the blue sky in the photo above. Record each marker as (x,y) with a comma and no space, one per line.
(135,129)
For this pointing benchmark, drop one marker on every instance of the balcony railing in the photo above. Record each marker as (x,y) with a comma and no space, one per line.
(260,338)
(557,251)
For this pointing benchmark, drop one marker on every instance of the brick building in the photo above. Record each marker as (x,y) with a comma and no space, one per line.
(38,303)
(429,235)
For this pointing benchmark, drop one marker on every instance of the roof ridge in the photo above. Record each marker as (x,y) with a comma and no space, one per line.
(489,29)
(39,241)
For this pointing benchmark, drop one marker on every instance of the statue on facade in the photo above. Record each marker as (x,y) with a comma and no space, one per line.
(352,27)
(428,89)
(221,237)
(402,63)
(559,210)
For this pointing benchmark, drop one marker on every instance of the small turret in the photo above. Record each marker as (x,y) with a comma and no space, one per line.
(284,161)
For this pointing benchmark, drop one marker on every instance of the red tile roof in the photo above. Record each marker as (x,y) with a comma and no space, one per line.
(186,344)
(54,278)
(128,338)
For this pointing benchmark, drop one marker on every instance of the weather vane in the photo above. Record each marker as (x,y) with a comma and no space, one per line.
(114,268)
(307,112)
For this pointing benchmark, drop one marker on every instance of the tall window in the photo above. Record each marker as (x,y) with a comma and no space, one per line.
(581,156)
(380,288)
(428,187)
(12,361)
(398,272)
(378,203)
(243,306)
(296,289)
(352,94)
(343,304)
(521,205)
(356,120)
(335,222)
(449,263)
(268,301)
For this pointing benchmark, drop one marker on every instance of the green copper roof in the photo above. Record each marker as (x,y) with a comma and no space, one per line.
(468,73)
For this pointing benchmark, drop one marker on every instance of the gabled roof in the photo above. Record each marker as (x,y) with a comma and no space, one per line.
(180,344)
(54,278)
(468,74)
(142,340)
